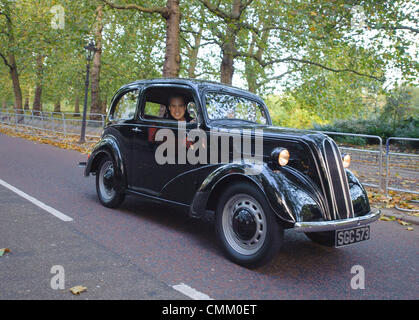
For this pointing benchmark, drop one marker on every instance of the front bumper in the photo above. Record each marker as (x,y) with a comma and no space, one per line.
(320,226)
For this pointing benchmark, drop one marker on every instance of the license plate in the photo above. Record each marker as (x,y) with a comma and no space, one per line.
(350,236)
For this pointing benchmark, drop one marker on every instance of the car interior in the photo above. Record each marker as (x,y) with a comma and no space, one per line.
(155,97)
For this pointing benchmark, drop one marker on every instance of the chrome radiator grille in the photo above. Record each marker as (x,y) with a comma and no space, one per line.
(339,199)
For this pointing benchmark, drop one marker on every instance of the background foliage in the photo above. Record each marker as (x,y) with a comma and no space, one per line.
(336,65)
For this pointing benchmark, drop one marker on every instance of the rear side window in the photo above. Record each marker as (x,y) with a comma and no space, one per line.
(126,106)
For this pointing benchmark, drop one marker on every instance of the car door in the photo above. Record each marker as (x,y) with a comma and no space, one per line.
(148,176)
(121,121)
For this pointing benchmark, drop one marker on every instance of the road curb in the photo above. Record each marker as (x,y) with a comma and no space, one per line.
(402,216)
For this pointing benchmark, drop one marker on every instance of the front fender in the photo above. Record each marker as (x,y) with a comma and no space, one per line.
(358,195)
(108,146)
(291,196)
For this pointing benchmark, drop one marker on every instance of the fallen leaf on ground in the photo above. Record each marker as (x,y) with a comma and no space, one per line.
(3,251)
(52,138)
(385,218)
(78,289)
(403,223)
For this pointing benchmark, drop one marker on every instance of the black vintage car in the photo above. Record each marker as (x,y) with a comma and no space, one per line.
(252,179)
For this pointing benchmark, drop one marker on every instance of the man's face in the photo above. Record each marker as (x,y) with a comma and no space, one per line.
(177,108)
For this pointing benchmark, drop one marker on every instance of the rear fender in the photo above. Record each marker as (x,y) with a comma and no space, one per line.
(108,146)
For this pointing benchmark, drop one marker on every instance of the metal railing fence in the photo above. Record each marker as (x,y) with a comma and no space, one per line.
(367,162)
(402,168)
(405,168)
(65,123)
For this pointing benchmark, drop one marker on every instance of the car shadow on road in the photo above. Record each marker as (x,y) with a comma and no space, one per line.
(297,251)
(199,231)
(300,258)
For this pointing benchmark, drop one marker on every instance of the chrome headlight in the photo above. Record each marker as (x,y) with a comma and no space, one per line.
(281,156)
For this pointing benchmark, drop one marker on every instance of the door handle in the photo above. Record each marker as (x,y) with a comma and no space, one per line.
(137,130)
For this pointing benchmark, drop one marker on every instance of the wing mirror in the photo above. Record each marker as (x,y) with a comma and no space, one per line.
(191,107)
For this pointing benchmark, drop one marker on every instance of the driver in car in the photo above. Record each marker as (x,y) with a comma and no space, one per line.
(177,109)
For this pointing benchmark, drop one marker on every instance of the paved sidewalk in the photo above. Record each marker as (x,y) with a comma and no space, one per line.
(400,215)
(38,241)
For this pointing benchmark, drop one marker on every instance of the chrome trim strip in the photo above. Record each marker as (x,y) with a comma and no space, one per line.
(344,181)
(314,149)
(329,179)
(344,187)
(319,226)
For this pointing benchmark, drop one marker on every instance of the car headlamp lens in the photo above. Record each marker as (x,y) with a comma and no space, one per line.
(283,157)
(346,159)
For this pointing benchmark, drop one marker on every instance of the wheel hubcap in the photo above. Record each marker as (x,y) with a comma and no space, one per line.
(244,224)
(106,179)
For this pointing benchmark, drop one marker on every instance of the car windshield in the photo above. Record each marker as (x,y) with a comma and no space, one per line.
(221,106)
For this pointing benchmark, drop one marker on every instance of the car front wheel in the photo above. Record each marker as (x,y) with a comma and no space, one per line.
(106,192)
(245,226)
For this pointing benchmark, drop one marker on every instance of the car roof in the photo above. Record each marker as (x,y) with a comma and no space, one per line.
(197,84)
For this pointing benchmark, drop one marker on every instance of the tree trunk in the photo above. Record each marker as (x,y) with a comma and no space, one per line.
(4,104)
(57,106)
(77,106)
(16,84)
(229,47)
(171,65)
(250,76)
(103,111)
(38,85)
(227,62)
(96,106)
(36,106)
(11,63)
(26,106)
(193,54)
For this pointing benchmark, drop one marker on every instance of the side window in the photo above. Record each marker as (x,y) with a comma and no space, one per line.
(158,103)
(152,109)
(126,106)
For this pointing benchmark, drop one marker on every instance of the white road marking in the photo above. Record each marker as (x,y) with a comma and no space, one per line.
(191,292)
(36,202)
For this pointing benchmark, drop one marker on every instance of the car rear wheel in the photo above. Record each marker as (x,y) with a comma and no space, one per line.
(326,238)
(245,226)
(106,192)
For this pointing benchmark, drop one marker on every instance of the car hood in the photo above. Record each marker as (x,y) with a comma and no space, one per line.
(279,133)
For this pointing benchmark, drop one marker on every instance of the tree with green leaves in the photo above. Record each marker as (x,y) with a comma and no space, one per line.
(171,14)
(293,34)
(9,48)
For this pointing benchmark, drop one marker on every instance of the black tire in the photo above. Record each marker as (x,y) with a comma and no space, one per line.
(233,209)
(326,238)
(106,193)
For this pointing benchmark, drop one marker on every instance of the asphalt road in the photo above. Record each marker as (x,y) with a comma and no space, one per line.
(140,250)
